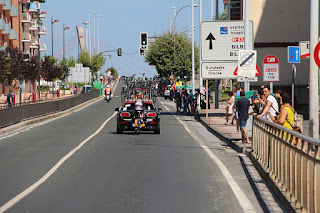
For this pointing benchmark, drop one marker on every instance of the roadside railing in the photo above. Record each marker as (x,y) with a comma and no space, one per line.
(291,160)
(24,111)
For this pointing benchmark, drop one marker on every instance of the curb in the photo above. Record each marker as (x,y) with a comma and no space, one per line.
(248,152)
(48,116)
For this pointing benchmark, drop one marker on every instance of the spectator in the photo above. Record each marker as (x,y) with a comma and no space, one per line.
(178,101)
(229,108)
(242,106)
(10,99)
(278,94)
(260,100)
(271,107)
(286,115)
(186,103)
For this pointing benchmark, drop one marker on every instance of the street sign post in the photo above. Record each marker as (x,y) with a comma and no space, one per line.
(218,70)
(247,63)
(293,54)
(221,40)
(304,49)
(271,70)
(220,45)
(250,79)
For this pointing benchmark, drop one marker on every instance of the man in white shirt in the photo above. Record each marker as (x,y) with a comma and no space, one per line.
(271,108)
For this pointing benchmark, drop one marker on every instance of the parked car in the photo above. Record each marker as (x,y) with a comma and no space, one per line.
(166,93)
(86,88)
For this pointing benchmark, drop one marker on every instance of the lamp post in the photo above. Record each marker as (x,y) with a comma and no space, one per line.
(87,39)
(193,63)
(89,34)
(99,33)
(175,11)
(52,22)
(175,21)
(94,33)
(64,29)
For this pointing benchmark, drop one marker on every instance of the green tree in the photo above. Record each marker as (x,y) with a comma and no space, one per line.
(224,15)
(4,67)
(49,69)
(166,60)
(95,64)
(113,70)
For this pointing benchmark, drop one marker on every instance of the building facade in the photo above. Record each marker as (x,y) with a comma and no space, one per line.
(20,27)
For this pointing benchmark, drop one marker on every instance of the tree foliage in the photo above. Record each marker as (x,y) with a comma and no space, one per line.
(96,62)
(166,60)
(5,66)
(113,70)
(50,70)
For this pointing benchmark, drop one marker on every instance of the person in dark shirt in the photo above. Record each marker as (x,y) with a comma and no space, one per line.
(243,112)
(10,98)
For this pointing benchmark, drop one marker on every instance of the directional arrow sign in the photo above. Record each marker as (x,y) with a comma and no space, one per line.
(293,54)
(210,38)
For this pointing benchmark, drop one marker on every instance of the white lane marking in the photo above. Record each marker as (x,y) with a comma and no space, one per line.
(31,188)
(240,195)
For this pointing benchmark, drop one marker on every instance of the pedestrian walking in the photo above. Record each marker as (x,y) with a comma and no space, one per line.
(10,99)
(229,108)
(178,100)
(243,106)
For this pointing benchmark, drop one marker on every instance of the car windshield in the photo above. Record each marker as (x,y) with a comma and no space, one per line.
(128,107)
(148,106)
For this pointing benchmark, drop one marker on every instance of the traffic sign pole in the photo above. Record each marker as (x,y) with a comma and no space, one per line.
(246,39)
(314,75)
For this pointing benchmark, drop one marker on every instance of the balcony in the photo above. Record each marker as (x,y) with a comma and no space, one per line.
(25,17)
(43,47)
(14,12)
(13,35)
(7,5)
(2,2)
(25,1)
(26,55)
(34,43)
(26,37)
(6,30)
(34,7)
(33,25)
(2,23)
(3,48)
(43,30)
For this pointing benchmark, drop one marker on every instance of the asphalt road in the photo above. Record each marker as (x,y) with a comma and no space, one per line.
(184,169)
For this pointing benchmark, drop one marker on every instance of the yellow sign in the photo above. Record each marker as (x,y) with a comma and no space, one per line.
(179,83)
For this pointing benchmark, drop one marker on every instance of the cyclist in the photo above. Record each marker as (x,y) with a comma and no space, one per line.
(138,109)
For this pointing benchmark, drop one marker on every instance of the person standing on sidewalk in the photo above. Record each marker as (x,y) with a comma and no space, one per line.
(229,108)
(243,106)
(271,107)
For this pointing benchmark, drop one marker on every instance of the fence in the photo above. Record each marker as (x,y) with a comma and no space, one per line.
(291,160)
(20,112)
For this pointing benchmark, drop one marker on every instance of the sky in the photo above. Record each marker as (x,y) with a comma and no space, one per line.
(120,24)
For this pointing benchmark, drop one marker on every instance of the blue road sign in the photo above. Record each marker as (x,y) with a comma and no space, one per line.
(294,54)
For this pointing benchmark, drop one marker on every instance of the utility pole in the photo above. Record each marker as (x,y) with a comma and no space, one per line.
(314,75)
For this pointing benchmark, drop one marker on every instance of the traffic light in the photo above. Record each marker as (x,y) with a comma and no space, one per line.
(119,50)
(141,52)
(143,40)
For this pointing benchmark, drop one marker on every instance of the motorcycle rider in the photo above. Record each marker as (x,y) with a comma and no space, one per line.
(138,109)
(108,90)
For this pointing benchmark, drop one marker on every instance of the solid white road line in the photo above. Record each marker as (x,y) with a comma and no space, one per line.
(240,195)
(31,188)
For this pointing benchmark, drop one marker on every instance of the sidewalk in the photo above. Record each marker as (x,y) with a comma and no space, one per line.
(216,123)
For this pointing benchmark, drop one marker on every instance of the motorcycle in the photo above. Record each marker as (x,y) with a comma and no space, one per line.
(107,96)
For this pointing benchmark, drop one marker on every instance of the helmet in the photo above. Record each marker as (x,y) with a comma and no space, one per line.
(139,96)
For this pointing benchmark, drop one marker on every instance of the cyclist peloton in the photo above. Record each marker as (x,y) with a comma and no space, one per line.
(138,109)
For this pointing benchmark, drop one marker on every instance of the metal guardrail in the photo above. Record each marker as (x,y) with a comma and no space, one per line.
(292,161)
(20,112)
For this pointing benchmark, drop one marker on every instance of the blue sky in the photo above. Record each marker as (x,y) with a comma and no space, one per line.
(121,22)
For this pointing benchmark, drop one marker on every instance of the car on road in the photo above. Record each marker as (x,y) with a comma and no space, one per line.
(126,119)
(166,93)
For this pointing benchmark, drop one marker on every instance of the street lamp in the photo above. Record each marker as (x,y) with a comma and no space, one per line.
(64,28)
(52,22)
(99,33)
(87,38)
(175,19)
(90,33)
(175,11)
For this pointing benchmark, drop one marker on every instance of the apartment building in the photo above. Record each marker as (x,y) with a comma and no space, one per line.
(20,27)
